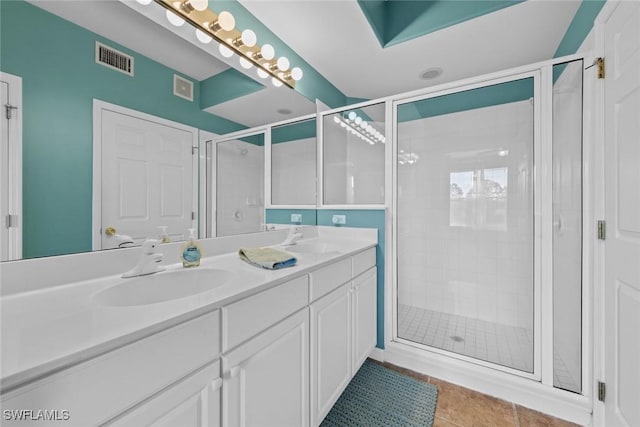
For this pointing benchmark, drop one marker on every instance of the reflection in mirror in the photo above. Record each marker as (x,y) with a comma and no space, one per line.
(293,164)
(353,156)
(60,80)
(239,185)
(465,187)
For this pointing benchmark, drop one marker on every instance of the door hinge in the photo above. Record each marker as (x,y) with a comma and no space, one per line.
(194,148)
(602,391)
(193,216)
(9,110)
(602,230)
(600,68)
(11,221)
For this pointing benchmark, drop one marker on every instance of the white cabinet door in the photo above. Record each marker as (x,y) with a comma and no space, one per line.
(193,402)
(330,350)
(266,380)
(364,317)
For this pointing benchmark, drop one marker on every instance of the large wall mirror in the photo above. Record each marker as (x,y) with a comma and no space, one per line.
(60,82)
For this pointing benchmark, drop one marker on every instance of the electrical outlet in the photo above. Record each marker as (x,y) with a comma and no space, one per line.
(296,218)
(339,219)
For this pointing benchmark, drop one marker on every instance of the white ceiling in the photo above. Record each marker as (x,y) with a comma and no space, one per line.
(336,39)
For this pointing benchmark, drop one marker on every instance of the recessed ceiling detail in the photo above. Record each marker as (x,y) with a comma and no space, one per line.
(398,21)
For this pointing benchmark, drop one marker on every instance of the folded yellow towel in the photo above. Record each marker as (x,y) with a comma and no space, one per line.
(269,258)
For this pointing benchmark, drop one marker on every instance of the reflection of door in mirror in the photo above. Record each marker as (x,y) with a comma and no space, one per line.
(10,167)
(147,177)
(239,185)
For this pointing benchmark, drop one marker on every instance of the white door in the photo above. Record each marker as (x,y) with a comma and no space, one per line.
(266,380)
(10,167)
(622,213)
(364,317)
(147,177)
(330,350)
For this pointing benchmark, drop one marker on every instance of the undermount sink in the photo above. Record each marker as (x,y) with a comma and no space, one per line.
(313,248)
(162,287)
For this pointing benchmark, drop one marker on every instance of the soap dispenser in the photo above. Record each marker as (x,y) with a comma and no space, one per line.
(163,237)
(191,251)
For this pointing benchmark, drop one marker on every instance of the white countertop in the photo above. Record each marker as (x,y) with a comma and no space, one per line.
(49,329)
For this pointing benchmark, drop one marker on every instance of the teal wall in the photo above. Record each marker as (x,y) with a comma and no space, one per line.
(60,78)
(580,26)
(365,219)
(283,216)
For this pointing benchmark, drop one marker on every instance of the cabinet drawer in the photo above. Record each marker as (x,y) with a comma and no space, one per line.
(364,261)
(105,386)
(329,278)
(248,317)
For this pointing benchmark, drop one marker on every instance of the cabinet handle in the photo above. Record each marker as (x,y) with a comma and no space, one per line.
(216,385)
(231,373)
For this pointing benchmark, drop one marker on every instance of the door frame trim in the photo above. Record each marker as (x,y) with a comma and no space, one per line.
(15,166)
(98,107)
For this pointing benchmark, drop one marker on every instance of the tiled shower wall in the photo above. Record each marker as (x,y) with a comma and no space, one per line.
(470,260)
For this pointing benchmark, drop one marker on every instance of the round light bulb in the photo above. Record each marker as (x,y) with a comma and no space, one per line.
(226,21)
(276,82)
(358,120)
(369,128)
(363,124)
(174,19)
(262,73)
(296,73)
(245,63)
(203,37)
(283,63)
(249,38)
(343,124)
(267,51)
(336,119)
(199,5)
(352,115)
(225,51)
(144,2)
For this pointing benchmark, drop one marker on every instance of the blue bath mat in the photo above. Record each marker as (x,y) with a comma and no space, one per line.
(378,396)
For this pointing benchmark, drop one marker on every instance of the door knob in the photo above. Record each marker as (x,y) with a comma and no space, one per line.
(110,231)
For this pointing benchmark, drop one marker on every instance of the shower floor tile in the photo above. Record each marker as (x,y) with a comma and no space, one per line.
(504,345)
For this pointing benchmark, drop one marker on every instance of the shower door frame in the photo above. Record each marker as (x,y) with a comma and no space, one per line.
(211,177)
(493,379)
(541,207)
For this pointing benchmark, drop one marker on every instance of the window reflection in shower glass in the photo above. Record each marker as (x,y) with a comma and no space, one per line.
(478,198)
(465,223)
(567,226)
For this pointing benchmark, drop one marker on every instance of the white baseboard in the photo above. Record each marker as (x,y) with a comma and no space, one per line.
(377,354)
(521,391)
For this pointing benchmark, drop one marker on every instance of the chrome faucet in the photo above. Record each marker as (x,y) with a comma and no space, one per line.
(293,237)
(148,262)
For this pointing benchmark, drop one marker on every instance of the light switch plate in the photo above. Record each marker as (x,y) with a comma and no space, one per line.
(339,219)
(296,218)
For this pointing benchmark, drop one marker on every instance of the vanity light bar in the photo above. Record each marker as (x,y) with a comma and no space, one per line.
(360,128)
(220,27)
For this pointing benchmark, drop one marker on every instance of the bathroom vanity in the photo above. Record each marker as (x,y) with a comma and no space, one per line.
(253,347)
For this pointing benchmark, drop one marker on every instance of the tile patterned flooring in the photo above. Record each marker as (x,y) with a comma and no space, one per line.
(504,345)
(461,407)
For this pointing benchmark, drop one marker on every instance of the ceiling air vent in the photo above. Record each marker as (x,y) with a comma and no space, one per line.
(182,87)
(109,57)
